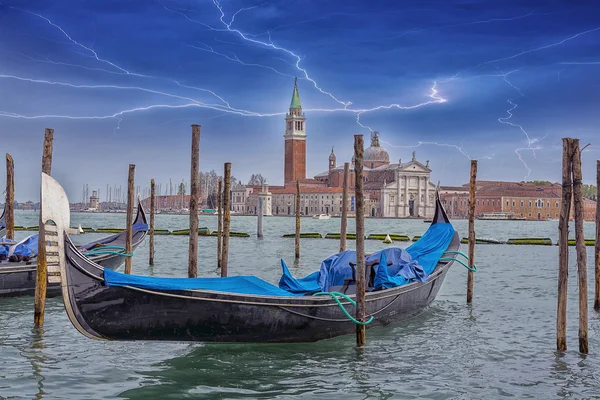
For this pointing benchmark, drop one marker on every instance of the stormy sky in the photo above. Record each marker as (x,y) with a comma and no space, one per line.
(121,82)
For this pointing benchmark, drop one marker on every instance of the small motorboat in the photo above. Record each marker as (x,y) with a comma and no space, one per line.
(321,216)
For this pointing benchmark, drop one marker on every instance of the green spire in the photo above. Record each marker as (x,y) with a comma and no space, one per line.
(295,97)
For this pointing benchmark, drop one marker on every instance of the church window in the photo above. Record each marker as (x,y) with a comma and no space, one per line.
(548,204)
(371,165)
(522,203)
(513,203)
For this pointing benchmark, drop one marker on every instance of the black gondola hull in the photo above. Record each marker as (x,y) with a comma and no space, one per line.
(125,313)
(18,279)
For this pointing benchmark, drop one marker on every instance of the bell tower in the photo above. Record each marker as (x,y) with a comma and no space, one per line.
(331,160)
(295,140)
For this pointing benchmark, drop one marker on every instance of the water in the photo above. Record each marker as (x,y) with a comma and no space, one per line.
(502,346)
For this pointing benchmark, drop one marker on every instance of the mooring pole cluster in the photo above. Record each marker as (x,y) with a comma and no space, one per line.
(572,191)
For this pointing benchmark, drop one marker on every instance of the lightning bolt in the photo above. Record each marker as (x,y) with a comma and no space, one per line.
(235,58)
(507,121)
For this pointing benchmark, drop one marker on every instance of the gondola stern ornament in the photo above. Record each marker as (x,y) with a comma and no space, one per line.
(55,216)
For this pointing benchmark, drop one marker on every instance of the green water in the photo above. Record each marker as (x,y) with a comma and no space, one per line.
(501,346)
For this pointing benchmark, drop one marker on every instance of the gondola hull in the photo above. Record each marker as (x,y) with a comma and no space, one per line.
(127,313)
(18,279)
(105,311)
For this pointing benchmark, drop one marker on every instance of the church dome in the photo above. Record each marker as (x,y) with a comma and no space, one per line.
(375,152)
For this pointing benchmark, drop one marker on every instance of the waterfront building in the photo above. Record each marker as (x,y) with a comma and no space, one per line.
(391,190)
(521,199)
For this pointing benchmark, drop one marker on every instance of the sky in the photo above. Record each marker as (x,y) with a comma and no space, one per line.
(121,82)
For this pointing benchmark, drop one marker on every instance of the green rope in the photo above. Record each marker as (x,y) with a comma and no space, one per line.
(105,250)
(474,269)
(336,296)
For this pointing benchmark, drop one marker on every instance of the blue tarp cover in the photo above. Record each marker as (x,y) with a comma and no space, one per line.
(5,245)
(413,264)
(410,265)
(232,284)
(27,247)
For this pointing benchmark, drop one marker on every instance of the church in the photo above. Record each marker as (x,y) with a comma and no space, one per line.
(391,190)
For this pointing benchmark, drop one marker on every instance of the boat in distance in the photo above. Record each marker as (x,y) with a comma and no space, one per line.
(18,278)
(321,216)
(186,309)
(500,216)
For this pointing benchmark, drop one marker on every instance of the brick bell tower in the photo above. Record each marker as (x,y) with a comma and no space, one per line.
(295,140)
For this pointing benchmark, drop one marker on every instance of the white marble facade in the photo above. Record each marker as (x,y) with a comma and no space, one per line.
(411,195)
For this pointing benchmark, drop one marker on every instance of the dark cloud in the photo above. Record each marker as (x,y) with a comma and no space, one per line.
(170,53)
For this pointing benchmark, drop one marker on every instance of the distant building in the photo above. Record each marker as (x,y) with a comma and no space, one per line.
(94,200)
(391,190)
(527,200)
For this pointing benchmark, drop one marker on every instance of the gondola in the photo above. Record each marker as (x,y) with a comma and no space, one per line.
(18,278)
(245,309)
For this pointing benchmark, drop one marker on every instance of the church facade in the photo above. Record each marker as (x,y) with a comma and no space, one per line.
(393,190)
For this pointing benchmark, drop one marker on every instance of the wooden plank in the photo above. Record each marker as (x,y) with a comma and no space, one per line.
(219,222)
(259,220)
(344,222)
(151,233)
(39,302)
(361,305)
(471,252)
(10,198)
(129,227)
(563,247)
(297,242)
(580,248)
(226,217)
(194,203)
(597,244)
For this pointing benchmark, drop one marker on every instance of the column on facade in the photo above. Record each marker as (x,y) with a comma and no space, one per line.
(427,205)
(396,210)
(419,195)
(405,195)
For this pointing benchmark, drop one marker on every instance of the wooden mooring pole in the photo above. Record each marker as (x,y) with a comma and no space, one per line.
(129,229)
(344,223)
(297,248)
(471,252)
(563,246)
(597,246)
(10,198)
(259,220)
(194,203)
(361,306)
(42,267)
(226,217)
(219,222)
(580,248)
(151,233)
